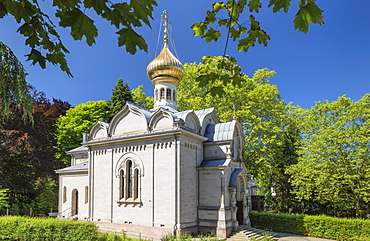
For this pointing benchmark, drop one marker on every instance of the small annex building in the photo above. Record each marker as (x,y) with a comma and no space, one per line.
(160,171)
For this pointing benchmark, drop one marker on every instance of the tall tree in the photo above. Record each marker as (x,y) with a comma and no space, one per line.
(120,94)
(140,98)
(255,103)
(334,165)
(77,121)
(13,85)
(27,148)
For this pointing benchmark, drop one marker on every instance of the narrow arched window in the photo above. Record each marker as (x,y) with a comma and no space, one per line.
(86,194)
(136,183)
(174,95)
(64,194)
(168,94)
(121,185)
(156,95)
(129,179)
(162,93)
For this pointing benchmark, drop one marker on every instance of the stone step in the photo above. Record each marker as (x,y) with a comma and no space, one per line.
(246,233)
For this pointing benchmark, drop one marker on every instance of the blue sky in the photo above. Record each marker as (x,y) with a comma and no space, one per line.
(328,62)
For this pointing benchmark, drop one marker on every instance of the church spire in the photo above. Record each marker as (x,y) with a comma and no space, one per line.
(165,71)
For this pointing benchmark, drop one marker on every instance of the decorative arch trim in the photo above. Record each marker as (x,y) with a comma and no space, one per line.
(100,126)
(128,108)
(136,160)
(159,115)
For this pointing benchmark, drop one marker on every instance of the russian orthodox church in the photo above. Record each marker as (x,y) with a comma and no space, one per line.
(160,171)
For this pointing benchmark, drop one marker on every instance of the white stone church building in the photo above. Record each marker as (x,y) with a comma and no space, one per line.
(160,171)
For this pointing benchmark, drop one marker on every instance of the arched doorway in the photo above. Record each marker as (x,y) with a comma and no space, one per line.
(240,200)
(74,207)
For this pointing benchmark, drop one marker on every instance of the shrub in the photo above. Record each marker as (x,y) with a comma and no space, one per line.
(313,226)
(285,223)
(23,228)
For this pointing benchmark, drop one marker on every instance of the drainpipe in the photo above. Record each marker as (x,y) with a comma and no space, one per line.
(111,187)
(153,185)
(177,183)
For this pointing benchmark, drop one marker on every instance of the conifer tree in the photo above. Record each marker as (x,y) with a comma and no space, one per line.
(120,94)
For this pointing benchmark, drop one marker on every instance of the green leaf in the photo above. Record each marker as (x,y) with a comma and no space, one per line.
(33,41)
(18,11)
(211,35)
(217,6)
(310,13)
(217,90)
(66,4)
(254,5)
(37,57)
(132,40)
(99,6)
(143,9)
(199,28)
(3,10)
(81,25)
(277,5)
(211,17)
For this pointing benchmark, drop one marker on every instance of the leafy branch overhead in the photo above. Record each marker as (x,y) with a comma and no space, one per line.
(247,35)
(44,40)
(228,72)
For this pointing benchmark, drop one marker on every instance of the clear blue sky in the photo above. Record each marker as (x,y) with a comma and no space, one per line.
(328,62)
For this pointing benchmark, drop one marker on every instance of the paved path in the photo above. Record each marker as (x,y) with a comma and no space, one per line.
(246,233)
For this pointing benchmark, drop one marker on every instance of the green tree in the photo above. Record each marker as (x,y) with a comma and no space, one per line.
(44,40)
(13,85)
(120,94)
(77,121)
(140,98)
(334,166)
(256,104)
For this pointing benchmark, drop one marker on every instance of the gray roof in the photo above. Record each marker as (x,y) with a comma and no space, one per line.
(215,163)
(147,113)
(220,131)
(83,166)
(79,149)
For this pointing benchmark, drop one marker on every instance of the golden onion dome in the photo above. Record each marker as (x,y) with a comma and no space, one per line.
(163,66)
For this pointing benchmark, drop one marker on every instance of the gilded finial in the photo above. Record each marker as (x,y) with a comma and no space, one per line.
(165,26)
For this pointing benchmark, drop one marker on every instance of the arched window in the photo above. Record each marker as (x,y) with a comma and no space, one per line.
(136,183)
(168,94)
(128,175)
(174,95)
(129,179)
(162,93)
(156,95)
(86,194)
(64,194)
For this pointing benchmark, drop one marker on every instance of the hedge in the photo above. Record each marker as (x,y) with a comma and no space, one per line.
(313,226)
(48,229)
